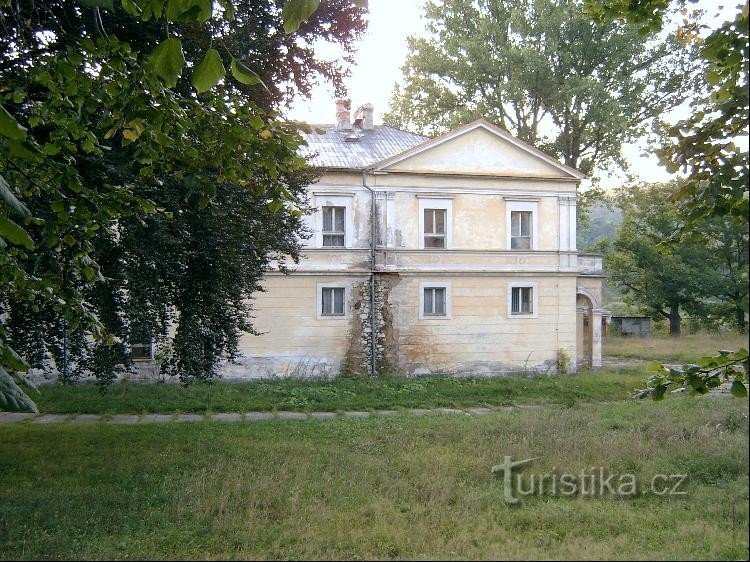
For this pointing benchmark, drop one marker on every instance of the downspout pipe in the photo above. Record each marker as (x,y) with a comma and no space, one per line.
(373,232)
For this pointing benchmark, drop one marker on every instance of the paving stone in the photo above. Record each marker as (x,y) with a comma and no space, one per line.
(323,415)
(51,418)
(357,414)
(156,418)
(227,417)
(479,411)
(419,412)
(255,416)
(189,418)
(452,411)
(87,418)
(13,417)
(291,416)
(386,412)
(124,419)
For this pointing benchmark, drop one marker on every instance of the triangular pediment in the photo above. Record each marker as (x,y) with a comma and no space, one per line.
(479,148)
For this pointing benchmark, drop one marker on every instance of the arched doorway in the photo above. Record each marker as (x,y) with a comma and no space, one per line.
(584,331)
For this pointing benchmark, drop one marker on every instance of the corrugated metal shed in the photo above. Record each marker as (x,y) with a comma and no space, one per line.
(329,148)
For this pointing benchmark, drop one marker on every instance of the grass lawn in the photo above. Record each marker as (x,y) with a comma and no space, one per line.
(684,349)
(340,394)
(383,487)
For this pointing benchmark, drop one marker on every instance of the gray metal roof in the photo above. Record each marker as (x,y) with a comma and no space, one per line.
(328,149)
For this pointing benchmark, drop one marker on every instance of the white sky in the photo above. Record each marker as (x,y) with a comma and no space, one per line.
(382,51)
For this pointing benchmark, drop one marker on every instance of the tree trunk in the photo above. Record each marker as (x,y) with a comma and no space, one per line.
(741,324)
(674,321)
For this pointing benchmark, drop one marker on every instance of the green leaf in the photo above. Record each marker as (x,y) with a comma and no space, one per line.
(23,149)
(297,11)
(12,398)
(11,359)
(11,200)
(14,233)
(9,127)
(208,72)
(188,10)
(229,11)
(108,4)
(244,74)
(738,389)
(166,61)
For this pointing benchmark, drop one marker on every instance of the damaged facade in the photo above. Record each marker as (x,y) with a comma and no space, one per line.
(448,255)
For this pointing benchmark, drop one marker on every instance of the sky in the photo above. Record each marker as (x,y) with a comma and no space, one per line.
(382,51)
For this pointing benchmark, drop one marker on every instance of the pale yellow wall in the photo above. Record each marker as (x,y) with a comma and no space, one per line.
(479,336)
(478,151)
(292,334)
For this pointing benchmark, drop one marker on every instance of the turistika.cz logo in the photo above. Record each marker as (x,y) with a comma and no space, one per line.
(591,481)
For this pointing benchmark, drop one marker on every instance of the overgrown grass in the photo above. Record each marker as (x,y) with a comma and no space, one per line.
(685,349)
(380,488)
(339,394)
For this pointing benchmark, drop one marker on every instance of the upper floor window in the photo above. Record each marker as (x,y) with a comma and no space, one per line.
(522,216)
(434,228)
(520,230)
(334,226)
(435,217)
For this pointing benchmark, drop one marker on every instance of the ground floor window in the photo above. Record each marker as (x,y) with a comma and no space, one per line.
(434,300)
(522,299)
(332,301)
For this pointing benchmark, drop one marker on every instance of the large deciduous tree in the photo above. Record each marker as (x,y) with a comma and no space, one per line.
(704,145)
(543,71)
(144,185)
(705,276)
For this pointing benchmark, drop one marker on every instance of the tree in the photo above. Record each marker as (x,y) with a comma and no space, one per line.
(541,70)
(100,137)
(703,145)
(663,279)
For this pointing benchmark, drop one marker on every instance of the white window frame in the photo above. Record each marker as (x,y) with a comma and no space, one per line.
(319,301)
(333,225)
(528,206)
(435,285)
(437,203)
(534,286)
(337,200)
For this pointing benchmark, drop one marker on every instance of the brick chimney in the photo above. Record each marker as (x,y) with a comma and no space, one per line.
(343,114)
(363,117)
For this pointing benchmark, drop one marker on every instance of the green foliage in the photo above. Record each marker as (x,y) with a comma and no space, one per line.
(703,145)
(705,274)
(538,66)
(563,361)
(104,150)
(700,378)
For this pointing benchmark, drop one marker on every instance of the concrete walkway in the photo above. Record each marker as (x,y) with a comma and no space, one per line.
(229,417)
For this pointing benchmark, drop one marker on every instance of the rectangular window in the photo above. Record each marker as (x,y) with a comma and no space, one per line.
(332,301)
(333,226)
(434,228)
(434,301)
(520,230)
(142,351)
(522,299)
